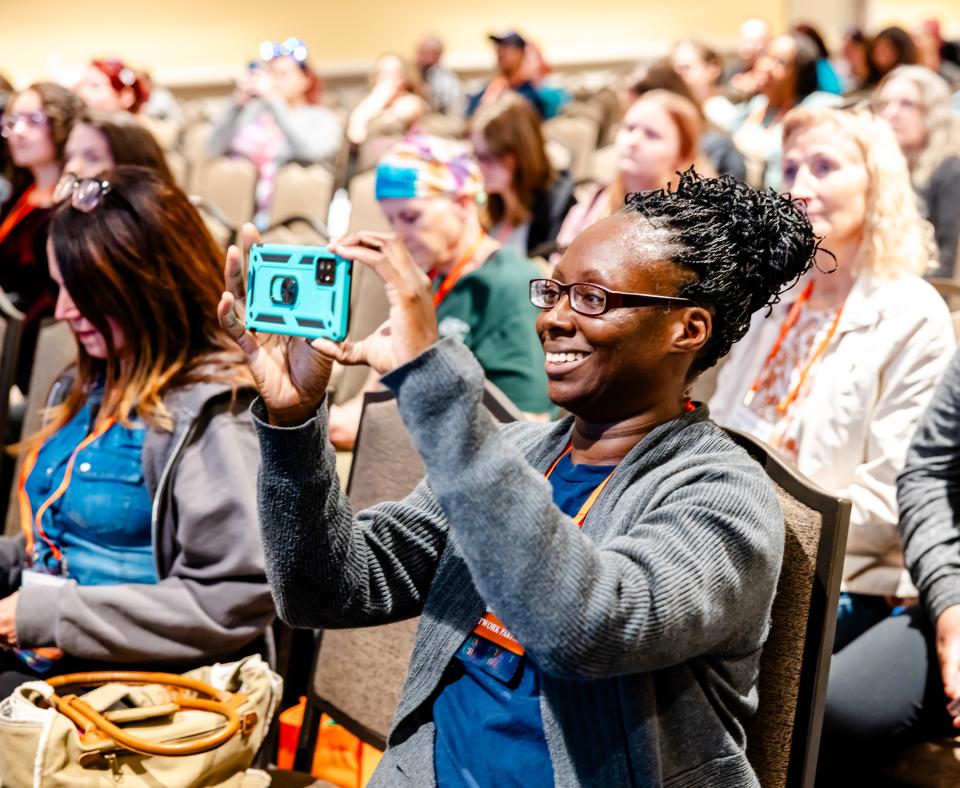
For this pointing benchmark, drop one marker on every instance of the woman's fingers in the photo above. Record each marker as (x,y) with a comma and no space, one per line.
(249,235)
(233,274)
(386,255)
(233,325)
(346,352)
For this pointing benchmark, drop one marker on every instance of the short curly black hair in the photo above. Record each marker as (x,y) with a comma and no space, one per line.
(746,247)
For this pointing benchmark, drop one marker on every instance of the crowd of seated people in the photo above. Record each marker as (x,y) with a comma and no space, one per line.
(276,116)
(775,215)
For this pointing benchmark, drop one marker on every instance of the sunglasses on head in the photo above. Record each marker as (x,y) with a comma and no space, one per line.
(84,194)
(292,47)
(593,300)
(33,120)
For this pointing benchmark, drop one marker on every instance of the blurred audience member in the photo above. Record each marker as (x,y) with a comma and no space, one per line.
(827,78)
(657,139)
(113,85)
(36,125)
(100,141)
(786,78)
(394,104)
(276,117)
(443,87)
(512,75)
(889,688)
(839,374)
(856,71)
(753,40)
(930,46)
(891,47)
(702,68)
(919,108)
(6,185)
(536,69)
(428,189)
(527,200)
(719,154)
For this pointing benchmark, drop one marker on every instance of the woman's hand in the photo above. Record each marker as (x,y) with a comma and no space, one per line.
(948,654)
(8,621)
(412,325)
(290,373)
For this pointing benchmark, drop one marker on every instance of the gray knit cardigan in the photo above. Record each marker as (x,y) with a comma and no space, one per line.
(646,624)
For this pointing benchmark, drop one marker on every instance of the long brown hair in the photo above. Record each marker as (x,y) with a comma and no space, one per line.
(143,261)
(128,140)
(511,126)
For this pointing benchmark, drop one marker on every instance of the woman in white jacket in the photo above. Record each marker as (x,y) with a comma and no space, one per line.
(837,375)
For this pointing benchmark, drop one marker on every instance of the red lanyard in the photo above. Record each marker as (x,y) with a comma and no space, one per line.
(491,627)
(791,320)
(22,207)
(457,271)
(29,522)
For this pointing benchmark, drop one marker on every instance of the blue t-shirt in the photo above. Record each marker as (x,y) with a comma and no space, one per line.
(489,731)
(102,523)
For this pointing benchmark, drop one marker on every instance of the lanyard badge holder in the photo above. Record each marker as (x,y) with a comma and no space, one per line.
(491,631)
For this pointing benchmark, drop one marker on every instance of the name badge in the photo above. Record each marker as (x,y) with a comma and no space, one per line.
(31,577)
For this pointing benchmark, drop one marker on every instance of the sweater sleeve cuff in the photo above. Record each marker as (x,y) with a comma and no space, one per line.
(37,615)
(296,448)
(942,594)
(443,370)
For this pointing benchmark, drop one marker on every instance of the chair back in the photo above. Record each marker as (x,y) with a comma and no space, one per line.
(603,165)
(358,674)
(365,213)
(228,184)
(56,350)
(194,147)
(301,190)
(11,334)
(368,298)
(579,136)
(783,737)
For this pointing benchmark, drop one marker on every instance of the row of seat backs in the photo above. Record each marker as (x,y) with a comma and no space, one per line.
(305,190)
(55,351)
(358,674)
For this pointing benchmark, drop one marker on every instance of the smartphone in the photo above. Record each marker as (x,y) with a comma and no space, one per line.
(299,291)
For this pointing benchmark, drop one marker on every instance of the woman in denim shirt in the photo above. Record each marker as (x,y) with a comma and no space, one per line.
(140,542)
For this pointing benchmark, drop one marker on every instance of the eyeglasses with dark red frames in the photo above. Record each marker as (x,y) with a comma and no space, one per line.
(593,300)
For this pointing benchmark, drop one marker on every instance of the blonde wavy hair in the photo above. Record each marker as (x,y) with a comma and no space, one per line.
(897,239)
(943,130)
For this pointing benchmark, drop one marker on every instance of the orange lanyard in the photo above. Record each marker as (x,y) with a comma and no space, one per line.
(457,271)
(792,317)
(21,209)
(29,522)
(491,627)
(592,498)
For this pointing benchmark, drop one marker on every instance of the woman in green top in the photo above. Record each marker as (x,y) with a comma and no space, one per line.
(428,189)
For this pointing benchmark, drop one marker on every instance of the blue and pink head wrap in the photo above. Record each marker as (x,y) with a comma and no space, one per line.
(425,166)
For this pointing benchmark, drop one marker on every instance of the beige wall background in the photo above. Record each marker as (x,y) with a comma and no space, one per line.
(181,38)
(186,41)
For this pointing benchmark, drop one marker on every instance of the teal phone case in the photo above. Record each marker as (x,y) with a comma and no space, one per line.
(299,291)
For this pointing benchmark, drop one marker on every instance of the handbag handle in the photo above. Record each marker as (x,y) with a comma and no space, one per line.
(97,729)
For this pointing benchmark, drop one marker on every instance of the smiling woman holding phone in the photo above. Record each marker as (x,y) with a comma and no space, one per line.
(594,592)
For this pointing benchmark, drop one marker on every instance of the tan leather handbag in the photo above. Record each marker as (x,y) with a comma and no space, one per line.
(202,728)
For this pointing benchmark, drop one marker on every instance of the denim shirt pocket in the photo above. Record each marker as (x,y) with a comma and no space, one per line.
(107,499)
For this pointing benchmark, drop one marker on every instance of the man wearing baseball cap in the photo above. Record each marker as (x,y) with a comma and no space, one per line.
(511,47)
